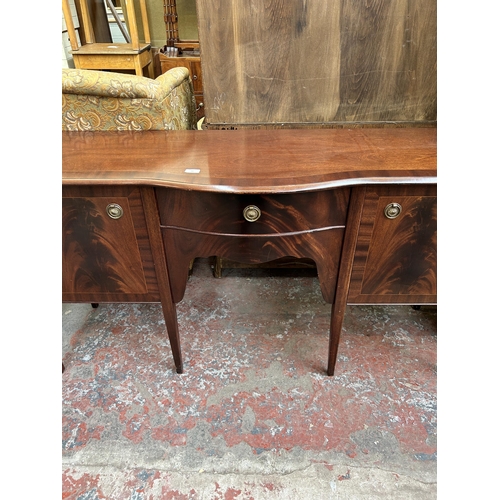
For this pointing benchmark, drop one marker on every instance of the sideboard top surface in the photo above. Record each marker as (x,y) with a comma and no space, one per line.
(251,161)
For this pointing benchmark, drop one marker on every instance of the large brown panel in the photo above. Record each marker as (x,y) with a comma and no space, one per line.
(395,259)
(269,61)
(307,61)
(388,61)
(106,259)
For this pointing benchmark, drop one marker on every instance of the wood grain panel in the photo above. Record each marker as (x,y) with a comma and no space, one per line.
(305,61)
(104,259)
(269,60)
(280,213)
(388,63)
(395,259)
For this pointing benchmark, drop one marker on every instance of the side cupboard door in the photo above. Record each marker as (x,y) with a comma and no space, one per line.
(395,259)
(105,246)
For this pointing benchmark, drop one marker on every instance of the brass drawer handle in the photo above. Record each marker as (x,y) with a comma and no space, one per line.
(114,210)
(251,213)
(392,210)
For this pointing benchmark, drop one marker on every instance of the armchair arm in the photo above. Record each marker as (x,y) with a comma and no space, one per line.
(170,80)
(107,84)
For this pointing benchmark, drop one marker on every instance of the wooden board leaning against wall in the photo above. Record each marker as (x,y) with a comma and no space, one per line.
(270,64)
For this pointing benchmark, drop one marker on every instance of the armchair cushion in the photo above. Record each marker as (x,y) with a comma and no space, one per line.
(100,100)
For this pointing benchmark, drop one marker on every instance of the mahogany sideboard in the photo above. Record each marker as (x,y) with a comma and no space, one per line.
(139,206)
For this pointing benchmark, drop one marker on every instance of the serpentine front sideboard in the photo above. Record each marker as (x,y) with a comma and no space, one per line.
(139,206)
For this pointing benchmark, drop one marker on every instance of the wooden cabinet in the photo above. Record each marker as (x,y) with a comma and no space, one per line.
(193,64)
(395,256)
(361,203)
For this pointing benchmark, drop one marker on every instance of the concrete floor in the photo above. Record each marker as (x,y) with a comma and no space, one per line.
(254,416)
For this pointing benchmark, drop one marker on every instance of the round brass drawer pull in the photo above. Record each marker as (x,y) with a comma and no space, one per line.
(251,213)
(392,210)
(114,210)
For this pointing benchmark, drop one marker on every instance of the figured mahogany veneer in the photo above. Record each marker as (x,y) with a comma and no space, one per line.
(280,213)
(105,259)
(395,260)
(321,195)
(309,225)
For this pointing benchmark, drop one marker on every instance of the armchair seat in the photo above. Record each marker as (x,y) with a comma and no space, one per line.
(100,100)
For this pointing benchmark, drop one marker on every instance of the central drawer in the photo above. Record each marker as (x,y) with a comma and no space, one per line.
(240,214)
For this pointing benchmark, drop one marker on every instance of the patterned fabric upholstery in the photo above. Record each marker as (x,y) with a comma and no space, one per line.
(100,100)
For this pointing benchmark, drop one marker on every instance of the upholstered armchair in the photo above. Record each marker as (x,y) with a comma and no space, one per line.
(100,100)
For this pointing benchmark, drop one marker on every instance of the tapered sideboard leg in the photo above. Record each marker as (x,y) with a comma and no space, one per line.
(170,315)
(167,302)
(336,321)
(345,268)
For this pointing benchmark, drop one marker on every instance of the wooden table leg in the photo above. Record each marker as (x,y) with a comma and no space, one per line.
(170,315)
(167,303)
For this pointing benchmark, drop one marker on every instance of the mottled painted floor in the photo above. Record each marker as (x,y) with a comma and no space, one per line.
(253,415)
